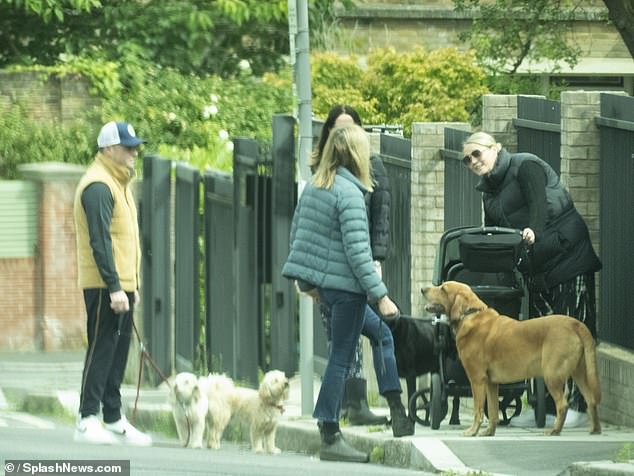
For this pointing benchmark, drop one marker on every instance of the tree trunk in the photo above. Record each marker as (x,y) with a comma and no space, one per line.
(621,13)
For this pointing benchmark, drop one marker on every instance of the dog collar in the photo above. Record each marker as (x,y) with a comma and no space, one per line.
(471,310)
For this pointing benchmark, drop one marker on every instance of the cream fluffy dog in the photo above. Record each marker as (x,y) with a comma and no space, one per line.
(260,409)
(189,408)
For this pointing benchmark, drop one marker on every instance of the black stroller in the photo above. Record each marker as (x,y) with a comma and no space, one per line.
(487,259)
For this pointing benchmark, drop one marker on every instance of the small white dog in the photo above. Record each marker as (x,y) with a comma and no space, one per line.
(189,408)
(260,409)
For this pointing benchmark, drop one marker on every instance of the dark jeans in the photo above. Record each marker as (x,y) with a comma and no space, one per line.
(106,357)
(346,320)
(382,343)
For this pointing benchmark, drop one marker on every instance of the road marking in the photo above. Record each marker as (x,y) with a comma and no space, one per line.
(26,419)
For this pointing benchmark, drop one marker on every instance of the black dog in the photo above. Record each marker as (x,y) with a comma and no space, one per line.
(417,350)
(414,341)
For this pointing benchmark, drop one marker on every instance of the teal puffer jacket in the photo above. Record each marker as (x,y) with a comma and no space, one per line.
(330,242)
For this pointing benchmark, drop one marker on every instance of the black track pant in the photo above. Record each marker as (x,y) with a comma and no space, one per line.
(107,355)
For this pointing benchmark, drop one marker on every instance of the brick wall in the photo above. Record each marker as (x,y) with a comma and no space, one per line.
(428,195)
(434,24)
(59,313)
(45,97)
(17,302)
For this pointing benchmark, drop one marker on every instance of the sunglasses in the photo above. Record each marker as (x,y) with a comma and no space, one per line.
(476,154)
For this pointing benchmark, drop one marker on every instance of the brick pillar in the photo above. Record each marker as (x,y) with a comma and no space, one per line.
(428,202)
(580,154)
(498,112)
(59,306)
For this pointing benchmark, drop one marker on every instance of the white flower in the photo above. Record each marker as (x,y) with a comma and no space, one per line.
(210,110)
(224,135)
(171,116)
(244,65)
(229,146)
(214,98)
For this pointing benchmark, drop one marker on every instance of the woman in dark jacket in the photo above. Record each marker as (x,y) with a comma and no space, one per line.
(522,191)
(355,406)
(330,252)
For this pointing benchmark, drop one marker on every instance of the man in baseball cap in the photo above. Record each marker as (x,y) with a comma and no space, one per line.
(118,133)
(108,262)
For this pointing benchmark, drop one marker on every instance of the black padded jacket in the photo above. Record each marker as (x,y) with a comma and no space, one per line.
(378,206)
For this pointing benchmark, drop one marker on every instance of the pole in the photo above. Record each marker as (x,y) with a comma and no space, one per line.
(298,30)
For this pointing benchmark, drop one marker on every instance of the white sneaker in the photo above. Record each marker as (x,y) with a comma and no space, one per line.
(526,419)
(90,430)
(126,433)
(575,419)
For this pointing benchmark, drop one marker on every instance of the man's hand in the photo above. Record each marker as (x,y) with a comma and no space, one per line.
(119,302)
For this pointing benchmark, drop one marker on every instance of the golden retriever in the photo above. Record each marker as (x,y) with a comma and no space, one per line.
(496,349)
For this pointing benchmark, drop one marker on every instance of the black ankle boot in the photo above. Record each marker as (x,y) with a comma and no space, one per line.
(335,448)
(355,404)
(401,424)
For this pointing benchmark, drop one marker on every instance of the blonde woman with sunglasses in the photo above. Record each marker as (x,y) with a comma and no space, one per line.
(522,191)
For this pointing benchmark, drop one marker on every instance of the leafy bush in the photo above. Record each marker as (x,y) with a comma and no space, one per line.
(23,140)
(400,88)
(193,118)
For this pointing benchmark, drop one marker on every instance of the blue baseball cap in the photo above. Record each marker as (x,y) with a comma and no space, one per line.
(118,133)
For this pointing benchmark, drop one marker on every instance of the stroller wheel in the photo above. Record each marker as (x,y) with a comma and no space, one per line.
(439,405)
(414,406)
(540,402)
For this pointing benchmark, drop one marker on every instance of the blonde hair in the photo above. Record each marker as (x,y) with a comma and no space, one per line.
(348,147)
(483,139)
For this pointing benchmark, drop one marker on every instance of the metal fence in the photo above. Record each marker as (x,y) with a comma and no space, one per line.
(539,130)
(236,241)
(463,203)
(396,153)
(617,220)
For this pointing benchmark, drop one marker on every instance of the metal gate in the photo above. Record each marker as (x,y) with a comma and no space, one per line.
(156,260)
(463,203)
(538,125)
(617,221)
(219,283)
(187,318)
(283,319)
(396,153)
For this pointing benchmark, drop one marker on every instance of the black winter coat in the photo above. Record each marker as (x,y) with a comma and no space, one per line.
(563,249)
(378,206)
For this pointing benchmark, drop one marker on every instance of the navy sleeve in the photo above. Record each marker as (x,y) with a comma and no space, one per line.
(532,181)
(379,213)
(98,203)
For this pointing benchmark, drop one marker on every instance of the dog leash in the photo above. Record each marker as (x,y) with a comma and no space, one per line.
(145,355)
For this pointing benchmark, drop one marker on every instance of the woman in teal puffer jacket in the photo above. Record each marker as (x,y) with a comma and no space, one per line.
(330,252)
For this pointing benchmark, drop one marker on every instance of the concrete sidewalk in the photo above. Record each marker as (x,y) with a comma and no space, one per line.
(45,382)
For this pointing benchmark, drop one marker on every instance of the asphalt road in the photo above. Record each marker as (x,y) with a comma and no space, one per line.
(25,437)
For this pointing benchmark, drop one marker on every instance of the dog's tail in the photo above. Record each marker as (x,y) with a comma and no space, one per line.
(590,359)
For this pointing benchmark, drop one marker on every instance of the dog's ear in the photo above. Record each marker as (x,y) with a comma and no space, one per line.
(266,395)
(458,306)
(196,392)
